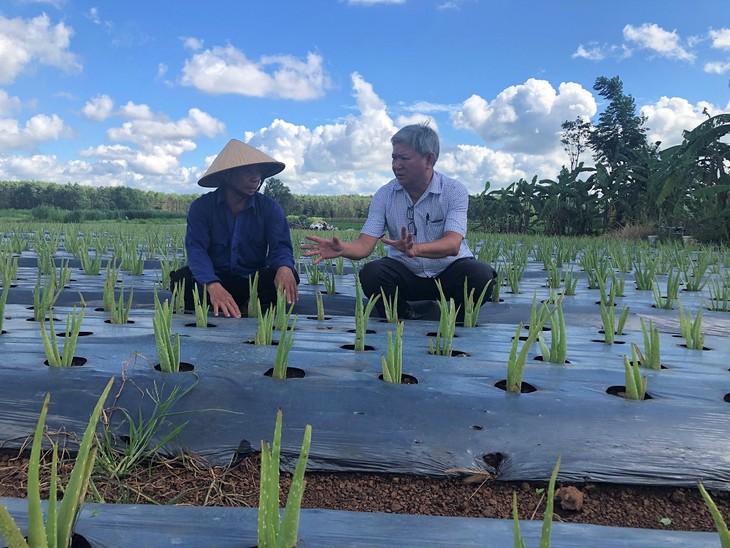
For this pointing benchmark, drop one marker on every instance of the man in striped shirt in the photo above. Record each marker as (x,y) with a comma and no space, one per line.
(425,216)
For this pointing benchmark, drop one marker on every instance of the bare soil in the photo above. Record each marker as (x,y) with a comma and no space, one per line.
(188,481)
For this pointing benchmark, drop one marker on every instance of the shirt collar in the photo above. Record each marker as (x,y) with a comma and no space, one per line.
(220,199)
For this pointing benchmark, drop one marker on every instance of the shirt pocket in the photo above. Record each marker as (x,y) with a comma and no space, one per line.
(435,225)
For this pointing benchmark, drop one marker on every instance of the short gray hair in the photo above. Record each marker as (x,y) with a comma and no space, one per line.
(419,137)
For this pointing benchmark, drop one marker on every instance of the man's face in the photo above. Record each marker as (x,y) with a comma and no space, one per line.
(246,179)
(410,168)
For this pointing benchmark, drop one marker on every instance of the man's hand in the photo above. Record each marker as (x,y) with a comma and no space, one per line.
(286,281)
(404,245)
(323,248)
(222,301)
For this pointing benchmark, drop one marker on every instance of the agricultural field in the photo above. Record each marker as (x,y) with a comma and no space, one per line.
(604,362)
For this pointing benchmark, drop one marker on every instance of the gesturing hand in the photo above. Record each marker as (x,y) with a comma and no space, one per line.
(404,245)
(323,248)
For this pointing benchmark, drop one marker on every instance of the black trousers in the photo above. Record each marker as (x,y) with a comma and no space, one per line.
(388,274)
(237,286)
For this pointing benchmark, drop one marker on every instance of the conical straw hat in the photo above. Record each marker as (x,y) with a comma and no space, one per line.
(234,155)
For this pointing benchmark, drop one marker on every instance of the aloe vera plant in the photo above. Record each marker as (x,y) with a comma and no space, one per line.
(110,282)
(201,308)
(275,531)
(281,313)
(650,358)
(443,344)
(392,362)
(253,295)
(50,342)
(168,346)
(44,297)
(472,308)
(56,530)
(516,360)
(547,520)
(320,305)
(390,306)
(362,314)
(635,382)
(265,326)
(281,358)
(691,329)
(557,352)
(720,524)
(719,296)
(611,326)
(330,285)
(120,309)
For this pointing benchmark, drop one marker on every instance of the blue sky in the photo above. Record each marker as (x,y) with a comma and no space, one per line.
(145,94)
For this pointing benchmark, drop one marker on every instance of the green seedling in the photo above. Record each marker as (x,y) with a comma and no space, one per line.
(71,335)
(719,298)
(557,352)
(635,383)
(314,274)
(390,306)
(612,327)
(253,295)
(392,362)
(265,326)
(645,271)
(329,282)
(516,360)
(56,530)
(281,314)
(694,276)
(514,275)
(273,531)
(720,524)
(691,329)
(91,266)
(168,346)
(497,286)
(650,358)
(44,297)
(362,314)
(443,344)
(320,305)
(119,309)
(201,306)
(547,520)
(471,308)
(282,352)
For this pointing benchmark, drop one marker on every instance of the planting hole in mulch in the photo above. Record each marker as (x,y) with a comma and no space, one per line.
(544,327)
(542,359)
(185,367)
(456,354)
(639,364)
(81,333)
(494,460)
(193,324)
(367,331)
(726,398)
(273,343)
(620,391)
(434,333)
(604,341)
(111,322)
(316,318)
(684,345)
(352,347)
(76,361)
(44,319)
(404,379)
(525,387)
(291,373)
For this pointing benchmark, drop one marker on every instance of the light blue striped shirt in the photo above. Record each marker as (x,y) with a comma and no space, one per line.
(443,207)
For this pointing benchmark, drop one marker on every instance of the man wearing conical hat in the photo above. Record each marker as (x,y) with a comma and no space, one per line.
(235,232)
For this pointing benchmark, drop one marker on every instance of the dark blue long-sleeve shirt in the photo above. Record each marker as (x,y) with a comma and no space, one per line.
(220,243)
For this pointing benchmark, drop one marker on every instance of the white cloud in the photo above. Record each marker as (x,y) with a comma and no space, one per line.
(526,117)
(351,157)
(669,117)
(8,104)
(720,38)
(36,130)
(717,67)
(228,70)
(99,108)
(593,53)
(25,43)
(651,36)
